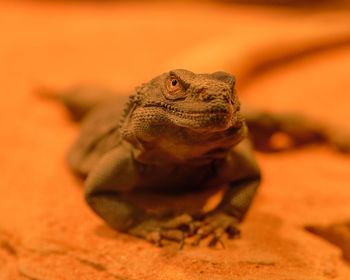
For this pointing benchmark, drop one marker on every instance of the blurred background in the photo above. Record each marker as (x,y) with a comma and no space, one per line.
(288,56)
(120,44)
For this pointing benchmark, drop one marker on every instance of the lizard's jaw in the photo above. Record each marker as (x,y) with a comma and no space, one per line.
(184,136)
(203,122)
(212,119)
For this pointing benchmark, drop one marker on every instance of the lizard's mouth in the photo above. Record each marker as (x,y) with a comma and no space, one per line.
(216,118)
(197,113)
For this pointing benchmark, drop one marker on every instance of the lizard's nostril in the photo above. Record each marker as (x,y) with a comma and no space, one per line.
(208,96)
(203,92)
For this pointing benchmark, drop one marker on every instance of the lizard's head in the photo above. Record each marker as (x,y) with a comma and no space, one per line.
(201,102)
(181,102)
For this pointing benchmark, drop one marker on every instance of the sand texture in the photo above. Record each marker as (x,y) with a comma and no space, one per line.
(285,60)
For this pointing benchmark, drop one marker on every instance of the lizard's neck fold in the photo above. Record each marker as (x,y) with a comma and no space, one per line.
(165,151)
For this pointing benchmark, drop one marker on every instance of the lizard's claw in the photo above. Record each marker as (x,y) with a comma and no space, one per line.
(217,224)
(176,227)
(166,227)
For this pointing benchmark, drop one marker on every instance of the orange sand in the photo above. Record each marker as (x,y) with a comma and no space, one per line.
(46,229)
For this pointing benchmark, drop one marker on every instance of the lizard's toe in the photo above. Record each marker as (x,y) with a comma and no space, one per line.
(164,228)
(183,221)
(233,231)
(217,224)
(217,234)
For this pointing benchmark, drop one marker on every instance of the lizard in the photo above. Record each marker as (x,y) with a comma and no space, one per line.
(179,131)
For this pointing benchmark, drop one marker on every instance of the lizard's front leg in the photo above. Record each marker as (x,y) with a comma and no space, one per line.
(242,174)
(114,174)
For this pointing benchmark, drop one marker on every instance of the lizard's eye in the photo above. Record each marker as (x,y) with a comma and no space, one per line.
(174,88)
(173,84)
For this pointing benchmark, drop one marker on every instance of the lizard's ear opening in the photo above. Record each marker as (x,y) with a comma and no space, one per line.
(225,77)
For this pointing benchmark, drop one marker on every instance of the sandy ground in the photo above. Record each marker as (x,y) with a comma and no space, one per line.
(47,231)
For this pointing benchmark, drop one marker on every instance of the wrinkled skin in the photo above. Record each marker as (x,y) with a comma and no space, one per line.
(179,131)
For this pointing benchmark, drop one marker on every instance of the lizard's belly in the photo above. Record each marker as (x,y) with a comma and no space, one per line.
(178,178)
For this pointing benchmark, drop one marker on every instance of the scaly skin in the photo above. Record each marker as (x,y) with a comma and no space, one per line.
(179,131)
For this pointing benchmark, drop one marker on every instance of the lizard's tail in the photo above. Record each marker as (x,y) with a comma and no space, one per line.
(272,132)
(79,100)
